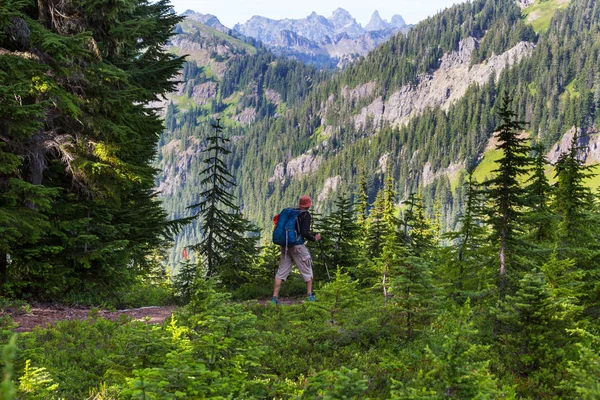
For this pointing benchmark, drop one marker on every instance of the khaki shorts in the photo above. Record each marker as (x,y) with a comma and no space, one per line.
(298,255)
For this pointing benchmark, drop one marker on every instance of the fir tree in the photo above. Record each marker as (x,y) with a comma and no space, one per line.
(504,190)
(572,202)
(376,228)
(226,247)
(533,333)
(382,221)
(340,234)
(457,366)
(362,206)
(268,261)
(236,265)
(577,230)
(582,382)
(417,232)
(77,137)
(538,217)
(465,257)
(415,293)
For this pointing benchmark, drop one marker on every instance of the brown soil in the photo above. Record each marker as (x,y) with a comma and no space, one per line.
(44,315)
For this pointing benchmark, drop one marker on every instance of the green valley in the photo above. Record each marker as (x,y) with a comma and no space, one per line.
(453,180)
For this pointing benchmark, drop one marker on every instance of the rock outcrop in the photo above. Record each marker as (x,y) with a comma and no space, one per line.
(589,143)
(176,174)
(451,171)
(442,88)
(204,92)
(524,3)
(376,23)
(246,117)
(296,168)
(330,185)
(206,19)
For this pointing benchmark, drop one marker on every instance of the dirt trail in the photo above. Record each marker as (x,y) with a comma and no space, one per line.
(44,315)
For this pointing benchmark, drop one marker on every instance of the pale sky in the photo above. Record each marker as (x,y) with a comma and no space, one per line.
(231,12)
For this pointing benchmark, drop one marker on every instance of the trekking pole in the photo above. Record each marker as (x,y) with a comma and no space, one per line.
(324,262)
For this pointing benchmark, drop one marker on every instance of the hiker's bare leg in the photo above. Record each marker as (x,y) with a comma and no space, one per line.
(276,287)
(309,286)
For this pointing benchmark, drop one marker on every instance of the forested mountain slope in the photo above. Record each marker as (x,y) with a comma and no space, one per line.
(422,105)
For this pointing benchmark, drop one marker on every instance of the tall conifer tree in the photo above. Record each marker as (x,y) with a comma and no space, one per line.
(504,189)
(362,206)
(228,245)
(382,221)
(573,202)
(538,218)
(340,235)
(578,225)
(464,260)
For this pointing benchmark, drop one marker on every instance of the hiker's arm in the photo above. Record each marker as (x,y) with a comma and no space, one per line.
(305,229)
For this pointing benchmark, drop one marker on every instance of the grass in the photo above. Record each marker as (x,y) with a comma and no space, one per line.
(570,91)
(183,102)
(487,165)
(594,181)
(317,134)
(544,10)
(454,183)
(532,88)
(281,108)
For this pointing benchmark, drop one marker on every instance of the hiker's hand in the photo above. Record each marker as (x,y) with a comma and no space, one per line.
(318,237)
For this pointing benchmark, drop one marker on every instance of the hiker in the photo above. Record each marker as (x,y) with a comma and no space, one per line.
(297,253)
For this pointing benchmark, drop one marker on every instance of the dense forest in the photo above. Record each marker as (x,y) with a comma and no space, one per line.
(78,213)
(486,286)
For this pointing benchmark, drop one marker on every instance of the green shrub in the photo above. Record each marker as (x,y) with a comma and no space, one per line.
(334,385)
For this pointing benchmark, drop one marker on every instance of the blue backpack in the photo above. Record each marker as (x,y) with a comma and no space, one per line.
(287,229)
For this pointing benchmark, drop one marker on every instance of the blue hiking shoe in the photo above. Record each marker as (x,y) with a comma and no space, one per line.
(311,297)
(275,300)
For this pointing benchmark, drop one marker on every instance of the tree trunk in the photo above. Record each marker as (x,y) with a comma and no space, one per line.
(502,269)
(44,13)
(3,267)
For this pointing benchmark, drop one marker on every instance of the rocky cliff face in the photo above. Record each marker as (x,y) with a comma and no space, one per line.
(589,143)
(446,85)
(296,168)
(336,37)
(290,42)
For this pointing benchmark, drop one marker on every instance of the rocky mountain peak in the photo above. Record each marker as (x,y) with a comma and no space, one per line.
(376,23)
(340,18)
(314,17)
(343,22)
(207,19)
(337,35)
(397,22)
